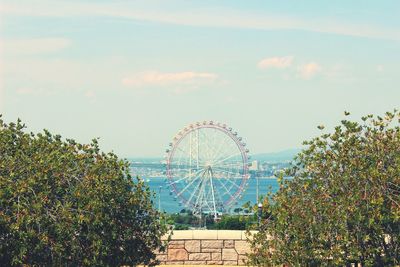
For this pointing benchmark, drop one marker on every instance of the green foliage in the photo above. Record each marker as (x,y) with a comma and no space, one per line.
(342,206)
(231,222)
(64,203)
(181,227)
(186,220)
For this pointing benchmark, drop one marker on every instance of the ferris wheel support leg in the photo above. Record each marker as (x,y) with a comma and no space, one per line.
(190,153)
(212,192)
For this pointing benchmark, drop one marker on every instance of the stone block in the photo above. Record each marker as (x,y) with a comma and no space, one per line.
(215,262)
(195,262)
(229,254)
(205,234)
(211,250)
(229,244)
(176,244)
(230,234)
(199,256)
(182,235)
(216,256)
(175,263)
(242,247)
(179,254)
(230,263)
(212,244)
(192,245)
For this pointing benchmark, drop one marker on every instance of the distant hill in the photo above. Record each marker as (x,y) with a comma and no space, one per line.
(145,160)
(281,156)
(285,155)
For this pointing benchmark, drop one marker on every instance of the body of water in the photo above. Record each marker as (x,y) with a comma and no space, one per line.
(170,205)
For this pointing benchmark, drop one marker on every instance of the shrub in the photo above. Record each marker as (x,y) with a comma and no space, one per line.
(65,203)
(342,206)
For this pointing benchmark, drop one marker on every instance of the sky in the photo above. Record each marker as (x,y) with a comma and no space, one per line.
(133,73)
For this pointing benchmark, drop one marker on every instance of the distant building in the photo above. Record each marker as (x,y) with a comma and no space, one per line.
(254,166)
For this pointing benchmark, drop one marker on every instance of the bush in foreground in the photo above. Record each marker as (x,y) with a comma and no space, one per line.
(64,203)
(343,204)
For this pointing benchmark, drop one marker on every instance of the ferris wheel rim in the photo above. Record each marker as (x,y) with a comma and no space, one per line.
(224,129)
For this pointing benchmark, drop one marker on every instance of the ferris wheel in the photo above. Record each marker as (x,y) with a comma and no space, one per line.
(207,167)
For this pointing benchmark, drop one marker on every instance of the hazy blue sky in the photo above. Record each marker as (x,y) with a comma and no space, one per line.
(135,72)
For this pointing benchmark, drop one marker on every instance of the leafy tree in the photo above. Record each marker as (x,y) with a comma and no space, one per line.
(183,221)
(68,204)
(238,210)
(342,206)
(181,227)
(229,222)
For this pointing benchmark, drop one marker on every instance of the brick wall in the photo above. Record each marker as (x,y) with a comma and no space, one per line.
(206,247)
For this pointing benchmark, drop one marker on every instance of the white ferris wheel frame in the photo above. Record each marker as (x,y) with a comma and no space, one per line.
(206,174)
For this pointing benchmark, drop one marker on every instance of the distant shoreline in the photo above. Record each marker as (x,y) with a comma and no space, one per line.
(165,177)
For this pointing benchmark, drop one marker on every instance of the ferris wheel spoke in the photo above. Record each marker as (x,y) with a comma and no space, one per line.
(207,201)
(186,176)
(193,193)
(229,147)
(179,162)
(207,144)
(204,144)
(226,189)
(182,150)
(229,164)
(217,151)
(199,196)
(212,191)
(229,157)
(232,168)
(223,143)
(210,145)
(184,167)
(233,183)
(211,139)
(201,190)
(187,186)
(227,152)
(226,171)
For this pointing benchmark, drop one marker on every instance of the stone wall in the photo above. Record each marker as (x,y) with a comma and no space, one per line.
(206,247)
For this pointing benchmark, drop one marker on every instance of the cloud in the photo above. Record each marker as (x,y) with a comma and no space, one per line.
(60,73)
(303,71)
(90,94)
(33,91)
(380,68)
(276,62)
(216,17)
(309,70)
(35,46)
(155,78)
(230,100)
(26,91)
